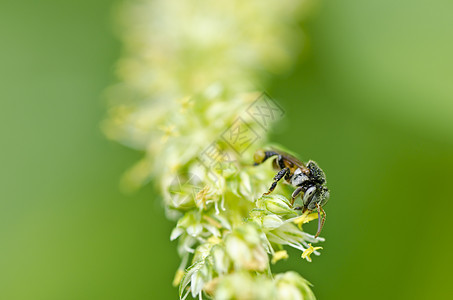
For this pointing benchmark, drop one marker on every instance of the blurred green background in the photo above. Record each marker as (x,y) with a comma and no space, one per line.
(371,100)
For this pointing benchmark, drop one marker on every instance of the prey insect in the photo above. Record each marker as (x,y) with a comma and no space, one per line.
(308,179)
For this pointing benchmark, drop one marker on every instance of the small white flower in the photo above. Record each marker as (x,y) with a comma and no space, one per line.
(245,248)
(276,204)
(271,222)
(221,260)
(291,285)
(244,285)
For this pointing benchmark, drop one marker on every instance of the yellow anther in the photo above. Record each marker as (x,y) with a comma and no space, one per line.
(310,250)
(279,255)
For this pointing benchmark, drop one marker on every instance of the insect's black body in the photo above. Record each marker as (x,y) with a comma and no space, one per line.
(309,180)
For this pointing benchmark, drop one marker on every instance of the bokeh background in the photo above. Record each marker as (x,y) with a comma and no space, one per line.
(371,99)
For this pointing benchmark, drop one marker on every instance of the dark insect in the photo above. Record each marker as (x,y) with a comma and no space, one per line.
(308,179)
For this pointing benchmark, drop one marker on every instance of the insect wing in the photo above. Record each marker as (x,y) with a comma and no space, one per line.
(291,158)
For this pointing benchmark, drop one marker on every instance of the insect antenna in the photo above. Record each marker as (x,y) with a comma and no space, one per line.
(320,222)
